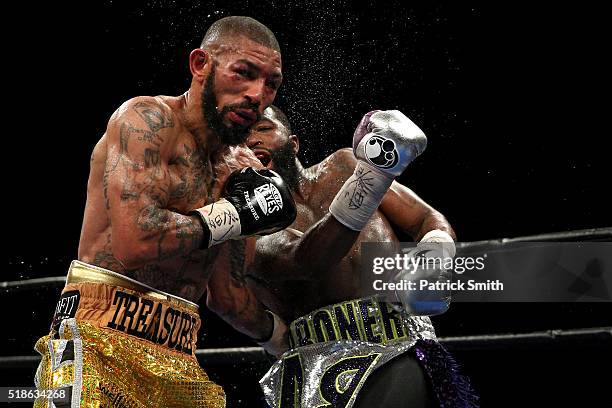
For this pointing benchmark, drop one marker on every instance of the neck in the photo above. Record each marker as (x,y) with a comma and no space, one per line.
(191,116)
(304,181)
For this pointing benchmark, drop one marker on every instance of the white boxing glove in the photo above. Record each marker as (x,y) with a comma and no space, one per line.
(384,143)
(435,249)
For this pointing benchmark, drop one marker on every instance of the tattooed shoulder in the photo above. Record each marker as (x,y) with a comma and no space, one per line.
(146,117)
(156,114)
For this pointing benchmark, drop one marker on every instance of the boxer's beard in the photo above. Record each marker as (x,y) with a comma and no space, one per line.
(231,135)
(284,164)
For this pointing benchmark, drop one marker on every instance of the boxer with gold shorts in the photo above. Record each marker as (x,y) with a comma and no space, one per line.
(156,217)
(117,342)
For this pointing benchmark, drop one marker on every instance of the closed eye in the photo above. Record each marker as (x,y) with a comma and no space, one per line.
(245,73)
(274,85)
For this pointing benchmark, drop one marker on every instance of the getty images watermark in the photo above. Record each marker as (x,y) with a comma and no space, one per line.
(503,272)
(429,269)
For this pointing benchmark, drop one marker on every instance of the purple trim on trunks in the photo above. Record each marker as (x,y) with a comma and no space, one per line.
(451,388)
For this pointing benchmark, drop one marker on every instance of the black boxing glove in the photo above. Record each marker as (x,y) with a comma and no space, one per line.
(256,202)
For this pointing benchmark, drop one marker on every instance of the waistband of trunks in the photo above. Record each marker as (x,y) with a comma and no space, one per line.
(367,319)
(83,272)
(115,302)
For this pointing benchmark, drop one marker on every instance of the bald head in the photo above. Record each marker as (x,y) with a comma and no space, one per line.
(274,113)
(225,30)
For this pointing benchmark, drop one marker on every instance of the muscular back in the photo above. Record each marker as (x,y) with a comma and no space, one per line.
(293,292)
(147,172)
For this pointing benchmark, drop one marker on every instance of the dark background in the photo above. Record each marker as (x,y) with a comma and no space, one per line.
(510,96)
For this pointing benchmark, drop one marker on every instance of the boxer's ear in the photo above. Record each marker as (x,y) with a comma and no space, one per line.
(295,142)
(199,61)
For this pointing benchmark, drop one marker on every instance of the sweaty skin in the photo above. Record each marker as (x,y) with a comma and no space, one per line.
(310,278)
(279,277)
(154,164)
(315,262)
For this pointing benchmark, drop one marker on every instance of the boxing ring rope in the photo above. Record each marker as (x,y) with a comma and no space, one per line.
(30,283)
(591,234)
(594,336)
(220,356)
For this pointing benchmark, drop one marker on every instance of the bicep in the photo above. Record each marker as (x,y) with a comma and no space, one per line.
(404,209)
(136,178)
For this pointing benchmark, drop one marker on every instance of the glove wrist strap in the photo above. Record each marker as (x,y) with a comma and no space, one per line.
(443,238)
(222,220)
(360,196)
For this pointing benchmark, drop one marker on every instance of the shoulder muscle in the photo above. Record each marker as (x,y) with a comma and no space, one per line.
(145,121)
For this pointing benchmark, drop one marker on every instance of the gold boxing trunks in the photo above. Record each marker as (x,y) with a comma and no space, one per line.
(115,342)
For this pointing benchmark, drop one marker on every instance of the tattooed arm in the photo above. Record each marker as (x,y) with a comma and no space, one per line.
(136,186)
(229,296)
(227,292)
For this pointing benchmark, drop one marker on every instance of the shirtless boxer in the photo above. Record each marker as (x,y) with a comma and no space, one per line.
(308,275)
(124,331)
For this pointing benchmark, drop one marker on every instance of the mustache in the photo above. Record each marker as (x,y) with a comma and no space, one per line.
(252,106)
(271,152)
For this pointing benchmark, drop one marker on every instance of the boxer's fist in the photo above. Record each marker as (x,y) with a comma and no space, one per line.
(388,141)
(435,250)
(426,300)
(229,159)
(384,143)
(262,200)
(255,202)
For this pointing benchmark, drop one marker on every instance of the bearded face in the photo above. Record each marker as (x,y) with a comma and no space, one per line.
(229,132)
